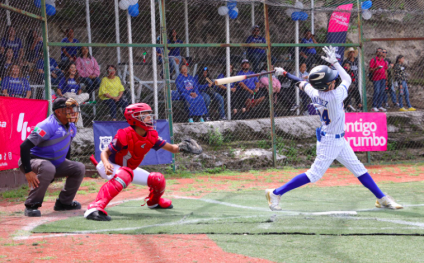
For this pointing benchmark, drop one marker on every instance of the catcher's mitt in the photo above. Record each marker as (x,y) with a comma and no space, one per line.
(189,145)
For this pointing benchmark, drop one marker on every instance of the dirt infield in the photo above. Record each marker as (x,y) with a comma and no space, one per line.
(17,244)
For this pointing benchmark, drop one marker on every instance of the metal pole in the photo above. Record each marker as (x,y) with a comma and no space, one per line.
(228,63)
(130,59)
(297,64)
(154,59)
(186,27)
(118,37)
(270,91)
(87,18)
(168,84)
(47,90)
(364,84)
(8,14)
(252,12)
(312,18)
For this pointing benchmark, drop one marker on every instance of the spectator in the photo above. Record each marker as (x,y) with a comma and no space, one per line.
(378,69)
(55,73)
(69,87)
(222,89)
(389,82)
(309,54)
(11,41)
(13,85)
(248,89)
(69,54)
(256,54)
(400,78)
(34,44)
(305,100)
(89,70)
(188,88)
(175,54)
(111,92)
(352,59)
(208,91)
(353,91)
(6,62)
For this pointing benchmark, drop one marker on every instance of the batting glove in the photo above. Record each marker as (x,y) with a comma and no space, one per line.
(331,55)
(280,72)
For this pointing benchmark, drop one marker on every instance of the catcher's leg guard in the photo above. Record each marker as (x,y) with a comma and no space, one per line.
(157,184)
(110,189)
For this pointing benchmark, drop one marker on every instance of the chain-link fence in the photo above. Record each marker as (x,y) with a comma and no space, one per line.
(245,123)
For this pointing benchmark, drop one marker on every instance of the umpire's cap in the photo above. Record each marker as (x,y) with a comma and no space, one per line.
(59,103)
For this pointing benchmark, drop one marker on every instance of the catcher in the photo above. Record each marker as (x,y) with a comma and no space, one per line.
(120,161)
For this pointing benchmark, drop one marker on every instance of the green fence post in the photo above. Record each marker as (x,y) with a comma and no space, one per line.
(47,91)
(167,74)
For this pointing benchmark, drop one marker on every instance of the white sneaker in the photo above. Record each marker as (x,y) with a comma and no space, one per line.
(374,109)
(273,200)
(382,109)
(387,202)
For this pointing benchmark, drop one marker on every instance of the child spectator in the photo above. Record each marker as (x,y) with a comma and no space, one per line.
(209,92)
(400,78)
(69,87)
(353,91)
(6,62)
(188,88)
(13,85)
(11,41)
(88,70)
(69,54)
(111,91)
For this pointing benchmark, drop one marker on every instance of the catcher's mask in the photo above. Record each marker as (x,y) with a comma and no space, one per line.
(69,107)
(321,77)
(140,114)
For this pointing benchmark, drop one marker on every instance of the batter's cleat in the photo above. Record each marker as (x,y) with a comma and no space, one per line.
(387,202)
(32,212)
(97,216)
(273,200)
(58,206)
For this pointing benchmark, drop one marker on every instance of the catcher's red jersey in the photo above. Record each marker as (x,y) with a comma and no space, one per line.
(128,148)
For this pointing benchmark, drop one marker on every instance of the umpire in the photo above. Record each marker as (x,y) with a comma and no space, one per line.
(45,155)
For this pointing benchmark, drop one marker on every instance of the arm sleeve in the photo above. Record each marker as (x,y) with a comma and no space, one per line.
(26,147)
(293,77)
(159,144)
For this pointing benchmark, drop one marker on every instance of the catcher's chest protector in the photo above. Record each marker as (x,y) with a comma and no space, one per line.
(136,147)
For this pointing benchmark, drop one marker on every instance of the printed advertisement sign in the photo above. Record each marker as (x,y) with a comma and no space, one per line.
(366,131)
(18,117)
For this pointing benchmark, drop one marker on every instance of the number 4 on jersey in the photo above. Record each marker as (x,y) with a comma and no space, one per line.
(324,117)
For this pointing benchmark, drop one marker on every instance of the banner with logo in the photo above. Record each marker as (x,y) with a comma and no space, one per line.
(104,131)
(366,131)
(338,26)
(18,117)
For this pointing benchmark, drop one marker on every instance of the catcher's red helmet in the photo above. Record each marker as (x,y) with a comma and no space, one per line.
(134,116)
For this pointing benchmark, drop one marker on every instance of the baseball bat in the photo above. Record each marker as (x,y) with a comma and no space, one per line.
(240,78)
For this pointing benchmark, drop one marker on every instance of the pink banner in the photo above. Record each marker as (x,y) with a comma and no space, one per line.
(18,118)
(339,21)
(366,131)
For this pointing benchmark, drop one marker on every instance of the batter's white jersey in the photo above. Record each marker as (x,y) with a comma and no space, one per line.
(332,145)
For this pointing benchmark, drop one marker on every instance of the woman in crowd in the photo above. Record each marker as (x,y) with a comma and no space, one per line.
(175,53)
(111,92)
(6,62)
(11,41)
(89,70)
(13,85)
(209,92)
(400,79)
(188,88)
(69,87)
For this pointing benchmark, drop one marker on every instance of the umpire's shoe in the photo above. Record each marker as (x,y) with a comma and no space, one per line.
(98,216)
(58,206)
(32,211)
